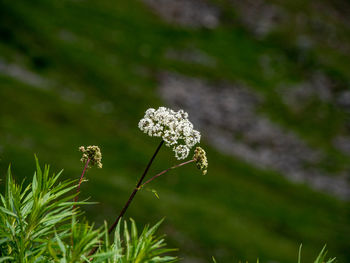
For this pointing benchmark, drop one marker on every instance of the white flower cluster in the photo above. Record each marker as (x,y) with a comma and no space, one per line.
(174,128)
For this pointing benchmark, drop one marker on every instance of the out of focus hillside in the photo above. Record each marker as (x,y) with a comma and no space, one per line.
(266,82)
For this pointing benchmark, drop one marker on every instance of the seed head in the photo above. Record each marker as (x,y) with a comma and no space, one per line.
(201,159)
(174,128)
(93,153)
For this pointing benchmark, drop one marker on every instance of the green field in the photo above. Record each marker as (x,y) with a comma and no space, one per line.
(94,67)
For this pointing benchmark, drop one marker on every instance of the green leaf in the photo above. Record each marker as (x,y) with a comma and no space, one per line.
(155,193)
(4,210)
(299,253)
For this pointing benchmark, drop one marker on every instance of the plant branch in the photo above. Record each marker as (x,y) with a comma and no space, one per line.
(165,171)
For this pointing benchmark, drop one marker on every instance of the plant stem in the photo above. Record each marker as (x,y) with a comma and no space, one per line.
(136,189)
(81,180)
(165,171)
(93,251)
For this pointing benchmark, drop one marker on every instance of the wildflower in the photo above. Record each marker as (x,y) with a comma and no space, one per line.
(174,128)
(93,154)
(201,159)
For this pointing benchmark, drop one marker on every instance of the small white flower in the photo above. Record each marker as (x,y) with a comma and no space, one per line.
(170,137)
(150,113)
(181,115)
(172,126)
(157,130)
(185,128)
(146,124)
(181,152)
(193,139)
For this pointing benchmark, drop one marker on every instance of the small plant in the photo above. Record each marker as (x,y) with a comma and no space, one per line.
(38,224)
(321,258)
(177,132)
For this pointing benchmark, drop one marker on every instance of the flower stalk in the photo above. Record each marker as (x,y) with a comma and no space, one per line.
(136,189)
(127,204)
(81,180)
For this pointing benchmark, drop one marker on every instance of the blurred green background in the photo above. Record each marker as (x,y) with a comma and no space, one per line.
(82,72)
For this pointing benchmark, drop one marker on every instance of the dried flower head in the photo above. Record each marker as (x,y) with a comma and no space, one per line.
(174,128)
(201,159)
(93,154)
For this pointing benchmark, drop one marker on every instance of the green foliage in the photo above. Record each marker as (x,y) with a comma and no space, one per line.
(29,215)
(95,53)
(321,258)
(146,247)
(40,224)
